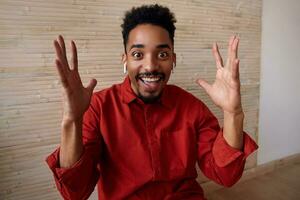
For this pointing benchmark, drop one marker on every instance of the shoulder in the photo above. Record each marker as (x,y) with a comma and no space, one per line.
(107,94)
(188,105)
(184,101)
(182,96)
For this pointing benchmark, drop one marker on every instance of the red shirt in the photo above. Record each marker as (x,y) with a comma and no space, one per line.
(135,150)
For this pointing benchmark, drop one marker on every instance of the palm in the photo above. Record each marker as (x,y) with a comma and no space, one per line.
(76,97)
(225,91)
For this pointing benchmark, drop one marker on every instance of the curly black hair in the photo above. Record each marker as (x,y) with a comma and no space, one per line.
(148,14)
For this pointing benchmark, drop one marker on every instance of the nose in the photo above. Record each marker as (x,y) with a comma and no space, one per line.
(151,63)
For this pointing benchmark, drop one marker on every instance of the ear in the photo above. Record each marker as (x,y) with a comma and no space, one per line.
(174,58)
(124,58)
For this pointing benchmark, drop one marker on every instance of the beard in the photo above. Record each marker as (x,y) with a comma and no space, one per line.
(150,99)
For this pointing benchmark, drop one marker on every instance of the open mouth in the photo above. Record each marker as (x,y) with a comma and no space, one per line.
(150,82)
(151,77)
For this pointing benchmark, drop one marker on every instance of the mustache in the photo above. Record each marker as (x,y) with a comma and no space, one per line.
(151,74)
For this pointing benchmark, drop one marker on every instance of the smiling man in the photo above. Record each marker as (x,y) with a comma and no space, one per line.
(142,139)
(149,58)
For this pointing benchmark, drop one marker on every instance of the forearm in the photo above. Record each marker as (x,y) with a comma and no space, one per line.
(71,143)
(233,129)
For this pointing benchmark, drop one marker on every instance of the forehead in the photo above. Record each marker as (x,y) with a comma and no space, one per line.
(148,35)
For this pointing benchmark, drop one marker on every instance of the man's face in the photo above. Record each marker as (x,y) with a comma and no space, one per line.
(149,59)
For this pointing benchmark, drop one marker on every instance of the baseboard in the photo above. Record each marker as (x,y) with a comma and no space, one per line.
(259,170)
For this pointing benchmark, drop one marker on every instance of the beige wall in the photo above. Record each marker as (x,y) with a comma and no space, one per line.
(30,98)
(279,133)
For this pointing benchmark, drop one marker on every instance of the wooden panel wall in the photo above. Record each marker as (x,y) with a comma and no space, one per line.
(30,98)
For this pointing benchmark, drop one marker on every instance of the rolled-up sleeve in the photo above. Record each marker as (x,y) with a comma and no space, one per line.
(216,158)
(224,154)
(79,180)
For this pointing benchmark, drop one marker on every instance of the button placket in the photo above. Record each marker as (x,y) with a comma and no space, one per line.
(153,142)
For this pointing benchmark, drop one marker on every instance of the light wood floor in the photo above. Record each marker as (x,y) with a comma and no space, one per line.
(281,184)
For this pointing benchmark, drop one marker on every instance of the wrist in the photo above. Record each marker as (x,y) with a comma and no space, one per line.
(236,119)
(71,129)
(234,114)
(67,122)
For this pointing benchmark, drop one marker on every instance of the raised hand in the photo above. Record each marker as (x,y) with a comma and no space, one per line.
(76,97)
(225,91)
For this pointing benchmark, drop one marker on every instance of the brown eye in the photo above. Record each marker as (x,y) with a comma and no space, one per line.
(163,55)
(137,55)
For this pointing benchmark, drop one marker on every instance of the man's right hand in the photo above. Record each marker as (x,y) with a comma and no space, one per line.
(76,101)
(76,97)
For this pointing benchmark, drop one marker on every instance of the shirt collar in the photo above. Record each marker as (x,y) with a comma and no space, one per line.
(129,96)
(127,93)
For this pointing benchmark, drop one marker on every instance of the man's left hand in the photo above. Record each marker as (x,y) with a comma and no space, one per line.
(225,91)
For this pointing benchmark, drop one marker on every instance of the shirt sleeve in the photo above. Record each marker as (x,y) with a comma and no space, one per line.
(216,158)
(79,180)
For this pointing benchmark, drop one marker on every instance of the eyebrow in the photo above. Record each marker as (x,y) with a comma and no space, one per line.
(136,46)
(160,46)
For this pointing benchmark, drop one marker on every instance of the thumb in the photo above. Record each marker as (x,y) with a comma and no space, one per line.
(92,84)
(204,84)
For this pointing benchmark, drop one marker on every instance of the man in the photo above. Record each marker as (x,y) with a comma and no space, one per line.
(142,139)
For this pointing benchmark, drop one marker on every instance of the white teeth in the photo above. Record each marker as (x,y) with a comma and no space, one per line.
(152,79)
